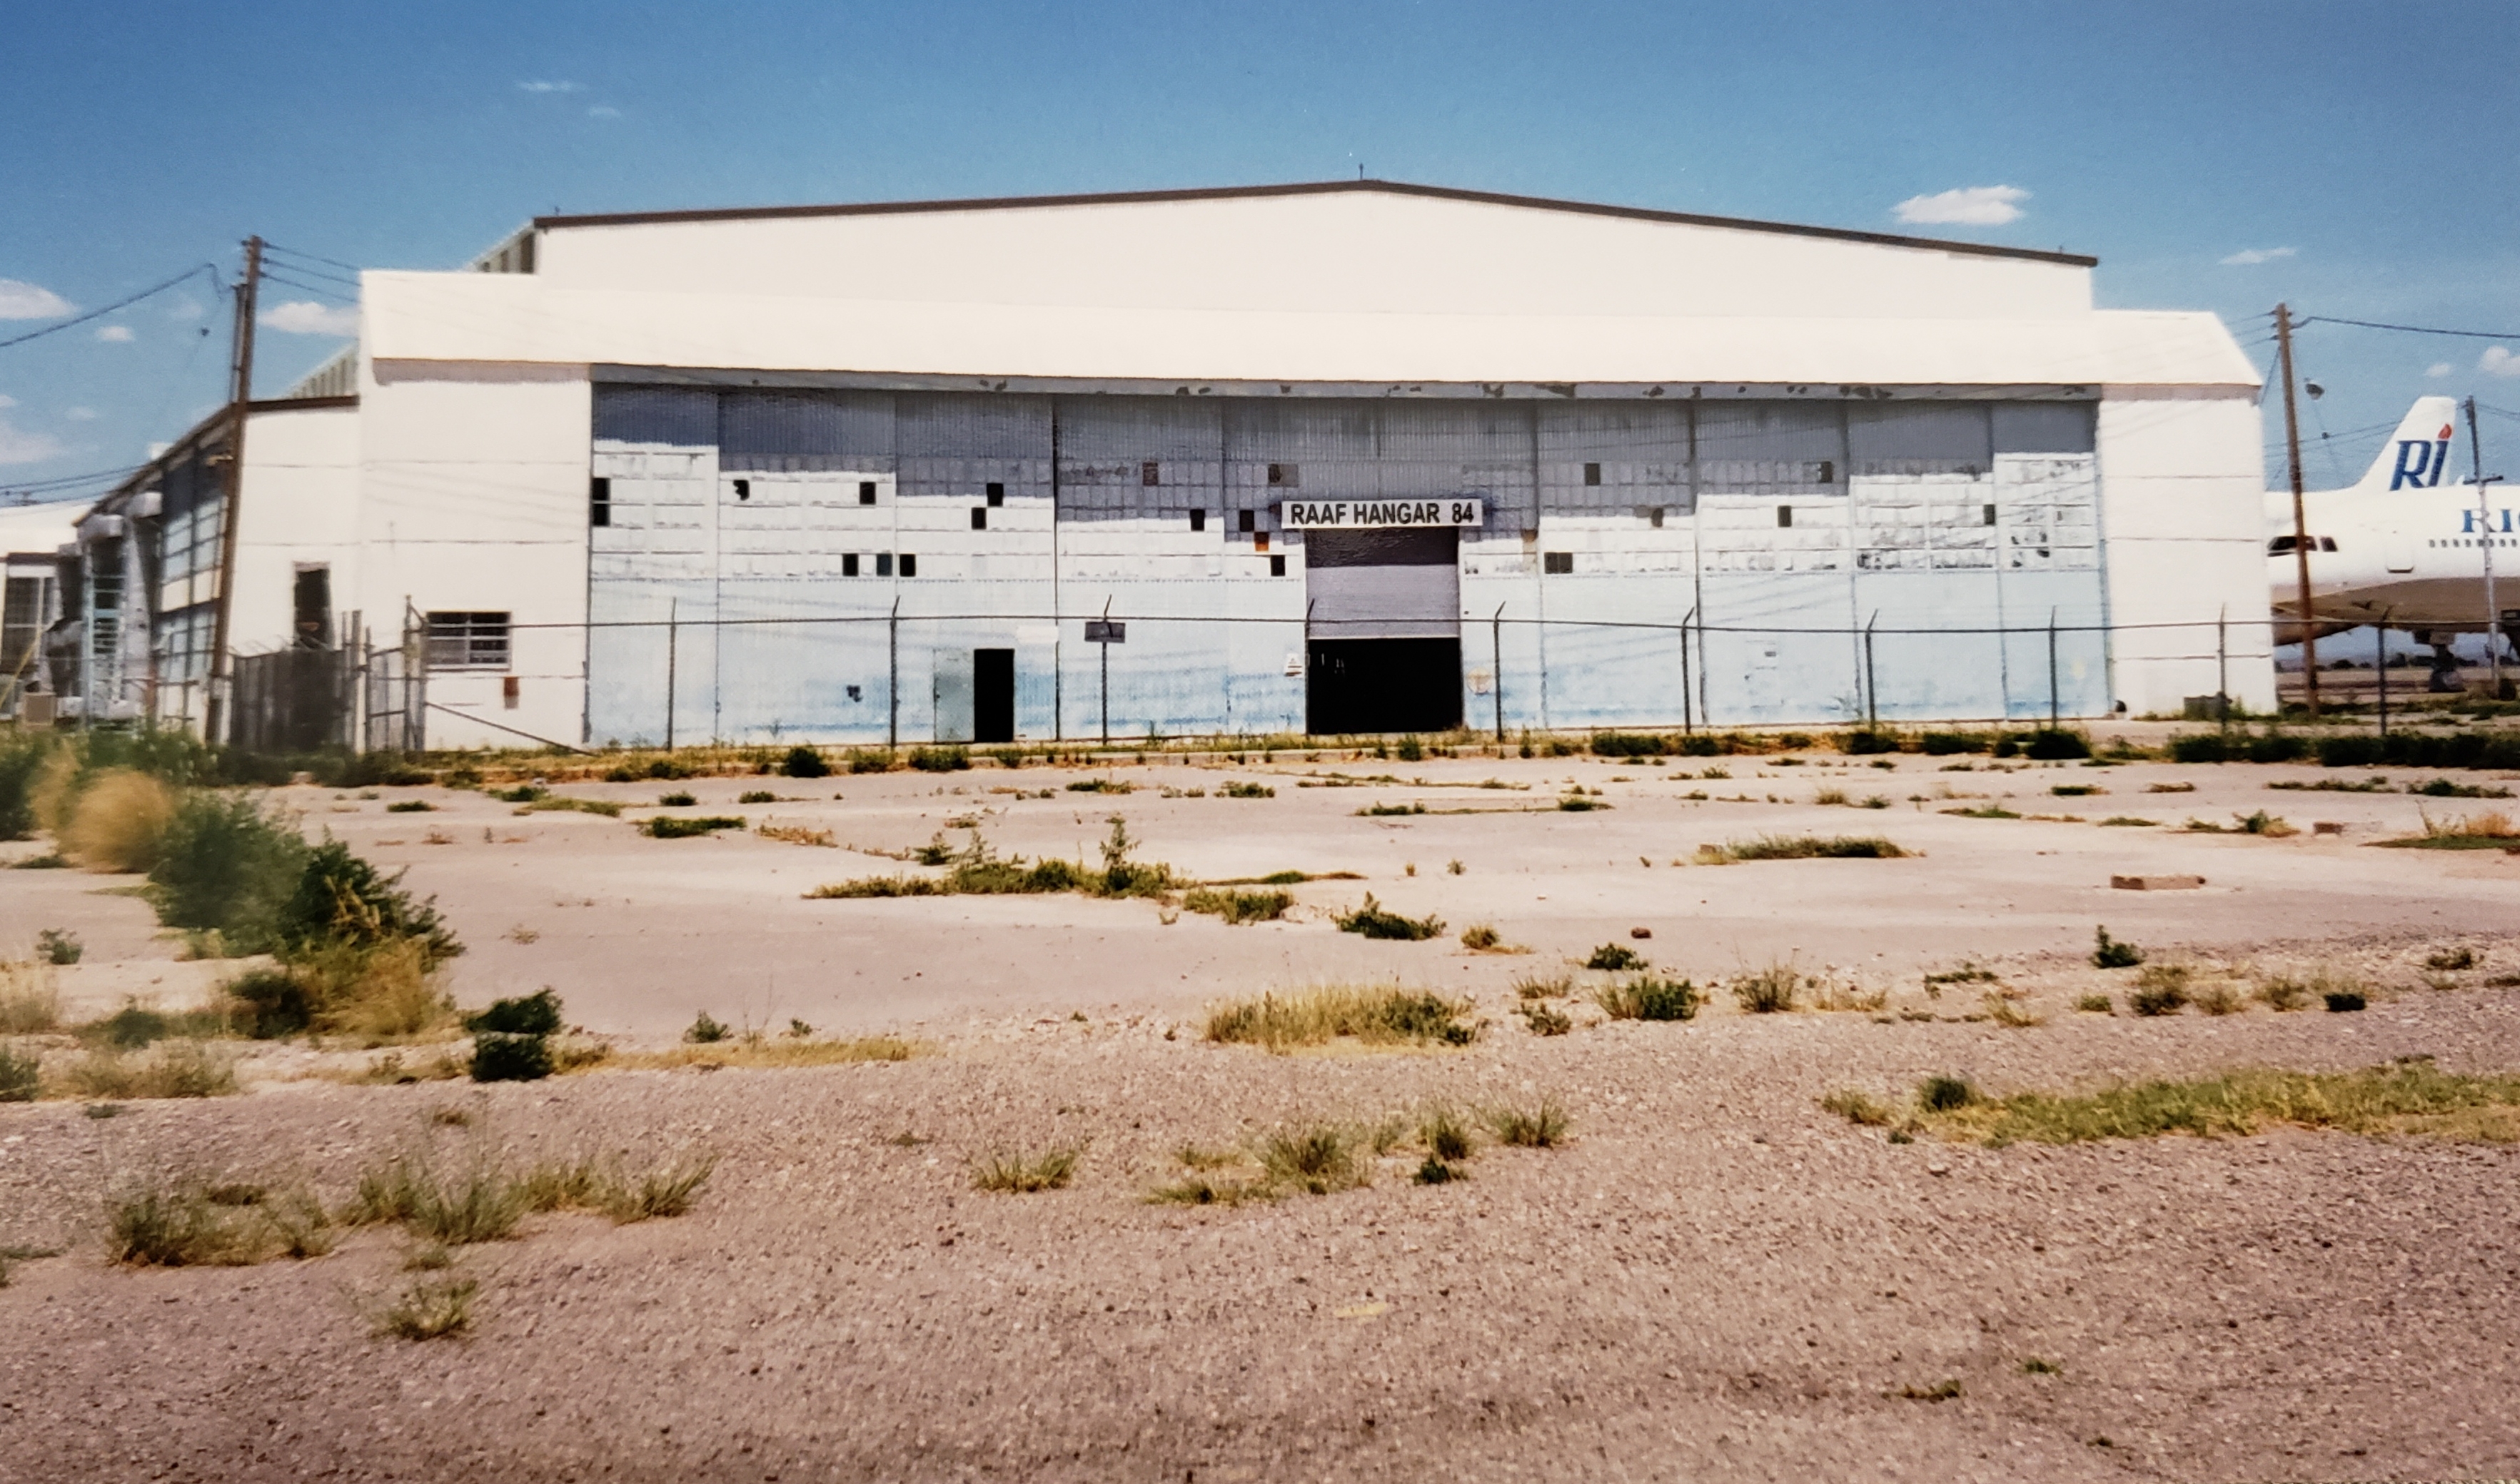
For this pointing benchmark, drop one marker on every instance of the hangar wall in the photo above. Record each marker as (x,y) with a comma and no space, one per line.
(826,564)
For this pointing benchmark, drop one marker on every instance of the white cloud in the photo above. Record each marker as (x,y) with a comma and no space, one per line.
(185,307)
(2498,362)
(2250,257)
(19,447)
(81,414)
(7,400)
(22,300)
(1970,205)
(603,111)
(2437,370)
(113,334)
(540,85)
(307,317)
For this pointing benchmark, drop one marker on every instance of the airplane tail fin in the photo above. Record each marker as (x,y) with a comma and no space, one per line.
(2417,455)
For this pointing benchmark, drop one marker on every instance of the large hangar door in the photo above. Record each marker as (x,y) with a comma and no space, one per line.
(1383,630)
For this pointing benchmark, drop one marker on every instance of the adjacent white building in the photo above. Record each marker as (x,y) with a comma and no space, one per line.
(1355,456)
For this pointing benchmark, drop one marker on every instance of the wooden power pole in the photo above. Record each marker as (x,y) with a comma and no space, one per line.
(240,396)
(2300,521)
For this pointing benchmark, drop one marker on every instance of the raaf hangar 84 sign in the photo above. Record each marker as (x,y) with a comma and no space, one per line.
(1360,514)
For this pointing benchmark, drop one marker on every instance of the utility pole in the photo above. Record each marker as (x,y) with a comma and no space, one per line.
(2485,524)
(2300,520)
(239,397)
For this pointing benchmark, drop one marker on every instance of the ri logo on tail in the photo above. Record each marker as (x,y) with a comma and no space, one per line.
(2421,454)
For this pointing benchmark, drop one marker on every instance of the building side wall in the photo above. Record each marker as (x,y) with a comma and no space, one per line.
(2182,515)
(301,508)
(474,499)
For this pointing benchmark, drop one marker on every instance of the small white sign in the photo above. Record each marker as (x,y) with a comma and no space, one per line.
(1360,515)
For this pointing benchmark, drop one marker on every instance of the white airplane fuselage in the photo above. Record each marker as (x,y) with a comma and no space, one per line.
(2405,548)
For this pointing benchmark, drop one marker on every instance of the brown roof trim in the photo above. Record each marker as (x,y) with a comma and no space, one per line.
(1306,188)
(303,404)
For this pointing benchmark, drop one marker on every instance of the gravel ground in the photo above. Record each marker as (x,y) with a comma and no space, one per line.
(1713,1279)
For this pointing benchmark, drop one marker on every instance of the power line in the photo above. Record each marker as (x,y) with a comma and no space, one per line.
(33,335)
(2473,334)
(317,256)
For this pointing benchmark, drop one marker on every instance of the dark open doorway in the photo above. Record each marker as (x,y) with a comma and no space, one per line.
(993,696)
(1382,685)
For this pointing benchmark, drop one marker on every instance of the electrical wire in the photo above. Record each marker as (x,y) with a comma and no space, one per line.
(33,335)
(270,246)
(2473,334)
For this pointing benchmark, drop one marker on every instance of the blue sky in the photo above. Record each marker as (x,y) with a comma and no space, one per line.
(2354,158)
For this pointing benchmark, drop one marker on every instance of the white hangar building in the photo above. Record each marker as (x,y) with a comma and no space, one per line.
(1347,457)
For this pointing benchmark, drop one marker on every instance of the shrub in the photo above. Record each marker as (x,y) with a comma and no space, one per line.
(499,1057)
(1444,1134)
(2056,743)
(481,1203)
(2444,960)
(374,992)
(161,1224)
(1942,1094)
(1545,1019)
(868,762)
(228,866)
(2283,994)
(2109,953)
(1249,790)
(940,759)
(1480,938)
(705,1029)
(411,806)
(59,946)
(2096,1004)
(22,755)
(1411,749)
(2342,1000)
(666,826)
(1614,957)
(30,1002)
(1372,920)
(1647,997)
(1785,847)
(534,1015)
(270,1002)
(2409,1096)
(2160,990)
(1023,1175)
(669,1190)
(1540,1125)
(1544,987)
(2219,1000)
(21,1075)
(342,901)
(756,796)
(680,798)
(118,822)
(172,1070)
(1240,907)
(804,762)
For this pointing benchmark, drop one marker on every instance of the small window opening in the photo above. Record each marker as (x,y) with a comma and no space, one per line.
(1653,517)
(1198,519)
(980,517)
(1784,517)
(1246,520)
(1827,472)
(866,491)
(1277,566)
(2327,543)
(883,564)
(1282,474)
(997,494)
(908,564)
(462,640)
(1990,514)
(599,501)
(744,489)
(511,692)
(1558,561)
(1592,473)
(1260,541)
(1149,472)
(848,564)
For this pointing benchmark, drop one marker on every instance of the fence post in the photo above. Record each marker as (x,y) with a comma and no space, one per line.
(1106,673)
(1872,693)
(2223,668)
(2052,716)
(892,678)
(673,645)
(1688,713)
(1496,651)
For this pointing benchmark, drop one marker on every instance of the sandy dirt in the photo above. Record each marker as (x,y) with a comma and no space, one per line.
(1714,1280)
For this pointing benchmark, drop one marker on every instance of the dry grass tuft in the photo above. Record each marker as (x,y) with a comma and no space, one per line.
(1541,1125)
(782,1052)
(1019,1174)
(2408,1098)
(118,821)
(1383,1014)
(432,1308)
(31,999)
(193,1225)
(168,1070)
(1857,1106)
